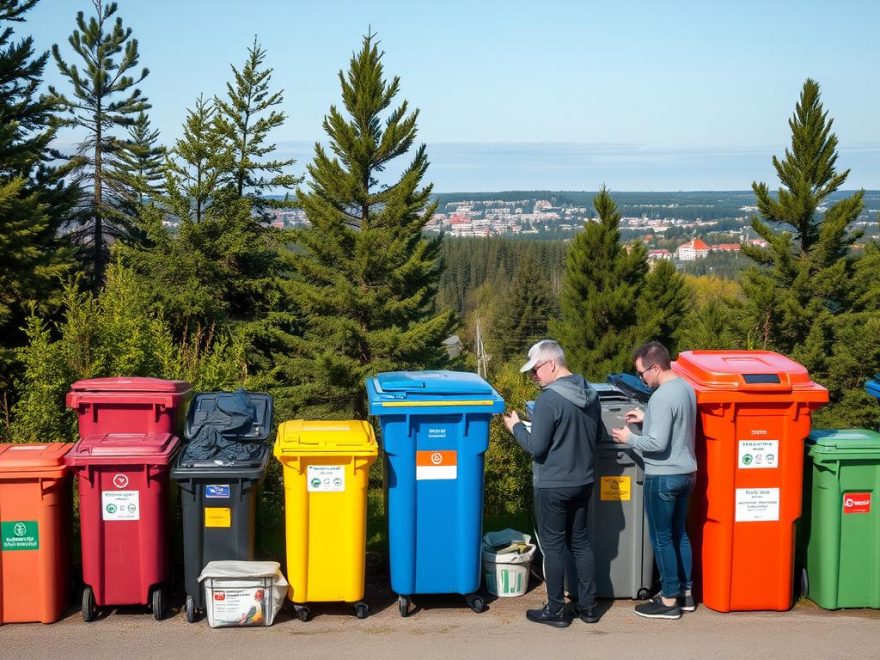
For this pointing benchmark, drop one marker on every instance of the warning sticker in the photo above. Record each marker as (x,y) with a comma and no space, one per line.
(757,504)
(758,454)
(615,489)
(437,464)
(20,535)
(857,503)
(326,478)
(120,505)
(218,516)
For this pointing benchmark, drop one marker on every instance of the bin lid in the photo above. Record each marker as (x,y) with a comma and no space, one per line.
(354,437)
(400,389)
(744,371)
(872,387)
(115,446)
(631,385)
(832,441)
(33,457)
(212,408)
(131,384)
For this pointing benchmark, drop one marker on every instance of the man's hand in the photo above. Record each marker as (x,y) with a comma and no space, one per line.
(621,435)
(511,419)
(635,416)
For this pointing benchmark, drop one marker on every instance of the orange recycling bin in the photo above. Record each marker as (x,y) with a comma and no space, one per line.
(35,515)
(754,415)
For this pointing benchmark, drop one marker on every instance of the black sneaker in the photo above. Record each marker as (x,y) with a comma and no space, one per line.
(589,614)
(655,609)
(686,603)
(544,615)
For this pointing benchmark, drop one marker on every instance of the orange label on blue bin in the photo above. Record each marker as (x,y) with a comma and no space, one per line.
(436,464)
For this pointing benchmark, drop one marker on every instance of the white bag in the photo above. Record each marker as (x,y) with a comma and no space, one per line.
(243,593)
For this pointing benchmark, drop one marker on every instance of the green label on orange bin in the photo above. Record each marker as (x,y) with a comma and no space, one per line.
(20,535)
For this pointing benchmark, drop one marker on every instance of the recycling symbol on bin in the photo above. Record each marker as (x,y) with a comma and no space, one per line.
(20,529)
(316,483)
(120,481)
(747,459)
(111,508)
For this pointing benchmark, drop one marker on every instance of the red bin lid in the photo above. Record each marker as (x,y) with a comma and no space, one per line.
(33,457)
(131,384)
(744,371)
(103,448)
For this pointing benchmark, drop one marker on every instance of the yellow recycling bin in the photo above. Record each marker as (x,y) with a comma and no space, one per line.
(326,470)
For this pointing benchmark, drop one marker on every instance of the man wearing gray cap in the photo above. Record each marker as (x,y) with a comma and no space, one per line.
(566,424)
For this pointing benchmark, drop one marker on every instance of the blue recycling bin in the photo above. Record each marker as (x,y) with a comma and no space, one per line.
(872,387)
(435,432)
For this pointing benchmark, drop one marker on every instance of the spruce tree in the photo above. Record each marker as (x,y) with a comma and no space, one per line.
(104,101)
(524,311)
(600,295)
(664,303)
(809,298)
(33,200)
(364,277)
(246,117)
(140,166)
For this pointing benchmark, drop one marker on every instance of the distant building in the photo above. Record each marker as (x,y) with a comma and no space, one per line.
(692,250)
(726,247)
(657,255)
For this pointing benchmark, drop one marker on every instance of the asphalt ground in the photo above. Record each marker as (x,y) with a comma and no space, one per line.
(444,627)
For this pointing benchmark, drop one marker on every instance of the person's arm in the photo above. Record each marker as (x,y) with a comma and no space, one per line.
(658,431)
(538,441)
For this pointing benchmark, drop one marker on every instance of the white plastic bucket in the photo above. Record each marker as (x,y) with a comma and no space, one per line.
(243,593)
(506,573)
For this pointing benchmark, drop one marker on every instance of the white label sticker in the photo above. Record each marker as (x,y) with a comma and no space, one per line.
(758,454)
(326,478)
(120,505)
(757,504)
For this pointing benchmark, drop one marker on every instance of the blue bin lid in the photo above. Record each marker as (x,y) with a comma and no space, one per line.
(872,387)
(399,389)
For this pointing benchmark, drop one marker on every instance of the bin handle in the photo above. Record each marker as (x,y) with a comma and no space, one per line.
(77,399)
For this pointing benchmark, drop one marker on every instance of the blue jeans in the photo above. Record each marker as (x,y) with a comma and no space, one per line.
(666,503)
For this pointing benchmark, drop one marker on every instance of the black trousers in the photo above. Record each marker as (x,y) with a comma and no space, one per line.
(562,525)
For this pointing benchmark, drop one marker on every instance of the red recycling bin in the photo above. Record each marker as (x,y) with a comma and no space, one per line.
(129,405)
(754,414)
(124,508)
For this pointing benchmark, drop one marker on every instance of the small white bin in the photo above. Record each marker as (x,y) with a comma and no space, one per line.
(507,557)
(243,593)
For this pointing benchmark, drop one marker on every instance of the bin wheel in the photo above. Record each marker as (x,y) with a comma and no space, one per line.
(303,613)
(89,611)
(475,602)
(805,583)
(403,605)
(643,594)
(361,610)
(190,609)
(158,603)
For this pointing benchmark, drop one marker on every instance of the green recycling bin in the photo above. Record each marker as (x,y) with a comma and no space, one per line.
(839,531)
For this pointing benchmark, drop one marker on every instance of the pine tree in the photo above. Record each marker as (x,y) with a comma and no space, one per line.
(664,303)
(810,299)
(140,167)
(105,99)
(364,277)
(525,309)
(600,295)
(246,118)
(33,200)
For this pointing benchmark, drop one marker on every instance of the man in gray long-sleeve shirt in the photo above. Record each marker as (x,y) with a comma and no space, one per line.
(667,447)
(566,424)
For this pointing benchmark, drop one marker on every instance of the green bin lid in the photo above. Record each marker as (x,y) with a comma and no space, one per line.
(848,441)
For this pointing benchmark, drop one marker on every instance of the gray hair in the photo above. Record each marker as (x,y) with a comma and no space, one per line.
(549,349)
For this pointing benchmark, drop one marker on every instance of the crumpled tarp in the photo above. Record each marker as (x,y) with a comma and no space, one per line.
(219,438)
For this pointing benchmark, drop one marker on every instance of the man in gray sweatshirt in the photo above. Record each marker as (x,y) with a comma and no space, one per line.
(566,424)
(667,447)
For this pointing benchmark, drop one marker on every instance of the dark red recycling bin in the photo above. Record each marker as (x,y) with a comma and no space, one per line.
(129,405)
(124,511)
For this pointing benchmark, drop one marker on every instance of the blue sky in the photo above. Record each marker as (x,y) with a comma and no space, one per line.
(559,95)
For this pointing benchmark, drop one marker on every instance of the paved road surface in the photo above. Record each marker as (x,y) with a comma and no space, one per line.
(445,628)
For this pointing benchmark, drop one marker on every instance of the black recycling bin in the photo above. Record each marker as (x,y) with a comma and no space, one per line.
(220,472)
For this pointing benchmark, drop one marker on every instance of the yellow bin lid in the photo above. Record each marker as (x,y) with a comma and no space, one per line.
(300,437)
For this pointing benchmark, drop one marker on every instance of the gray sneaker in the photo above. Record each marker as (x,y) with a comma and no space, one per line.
(686,603)
(655,609)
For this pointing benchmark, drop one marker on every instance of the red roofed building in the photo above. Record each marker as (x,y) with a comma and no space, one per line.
(692,250)
(727,247)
